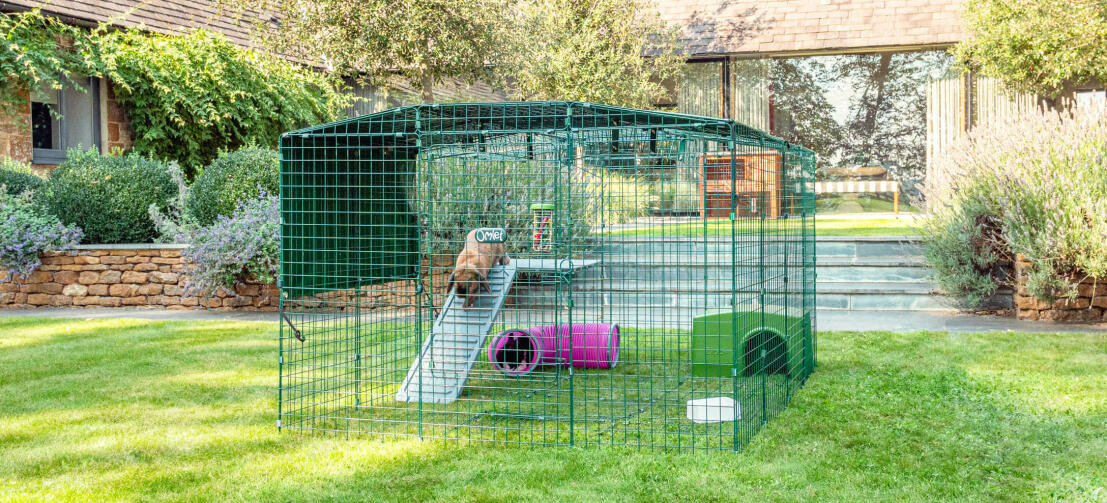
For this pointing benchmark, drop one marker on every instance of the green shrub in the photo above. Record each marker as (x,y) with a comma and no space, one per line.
(232,178)
(109,196)
(966,250)
(1034,187)
(18,177)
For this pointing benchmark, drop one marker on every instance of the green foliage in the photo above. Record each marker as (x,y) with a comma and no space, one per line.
(418,43)
(615,52)
(109,196)
(193,95)
(231,178)
(245,246)
(26,231)
(39,51)
(174,224)
(1034,187)
(965,249)
(1036,45)
(18,177)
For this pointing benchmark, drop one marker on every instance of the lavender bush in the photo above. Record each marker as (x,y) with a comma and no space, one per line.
(245,246)
(1036,186)
(26,230)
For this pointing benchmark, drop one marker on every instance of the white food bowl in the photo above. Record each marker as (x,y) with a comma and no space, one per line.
(714,410)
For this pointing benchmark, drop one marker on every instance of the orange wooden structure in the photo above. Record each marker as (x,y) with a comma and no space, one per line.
(757,178)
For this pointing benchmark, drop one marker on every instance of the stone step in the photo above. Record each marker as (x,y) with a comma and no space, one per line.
(845,246)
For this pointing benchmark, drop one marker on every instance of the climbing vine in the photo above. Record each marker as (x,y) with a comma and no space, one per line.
(193,95)
(188,96)
(39,51)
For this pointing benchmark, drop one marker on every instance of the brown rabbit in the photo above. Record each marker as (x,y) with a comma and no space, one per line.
(470,274)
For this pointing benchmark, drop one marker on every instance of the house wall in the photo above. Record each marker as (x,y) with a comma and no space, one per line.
(115,129)
(15,134)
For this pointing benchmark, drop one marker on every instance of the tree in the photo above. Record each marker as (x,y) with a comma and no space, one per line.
(421,42)
(615,52)
(1036,46)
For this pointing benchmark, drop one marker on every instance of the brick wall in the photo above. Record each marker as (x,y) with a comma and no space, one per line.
(145,275)
(15,133)
(1090,303)
(117,133)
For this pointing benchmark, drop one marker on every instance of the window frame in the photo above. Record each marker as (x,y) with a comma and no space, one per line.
(58,155)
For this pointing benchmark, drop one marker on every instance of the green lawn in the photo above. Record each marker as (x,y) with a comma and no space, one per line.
(823,227)
(107,410)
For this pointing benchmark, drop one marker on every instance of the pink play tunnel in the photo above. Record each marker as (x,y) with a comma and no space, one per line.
(519,351)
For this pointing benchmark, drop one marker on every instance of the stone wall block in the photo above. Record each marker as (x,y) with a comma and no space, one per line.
(111,277)
(75,290)
(66,277)
(38,277)
(57,260)
(98,289)
(164,277)
(112,259)
(135,277)
(88,278)
(150,289)
(123,290)
(50,288)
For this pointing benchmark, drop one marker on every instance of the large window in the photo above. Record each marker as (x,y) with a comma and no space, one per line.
(853,110)
(63,119)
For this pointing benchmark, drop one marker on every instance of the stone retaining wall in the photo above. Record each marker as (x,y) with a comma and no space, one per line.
(122,275)
(1090,303)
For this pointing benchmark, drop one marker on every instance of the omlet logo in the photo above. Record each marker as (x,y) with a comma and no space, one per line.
(491,235)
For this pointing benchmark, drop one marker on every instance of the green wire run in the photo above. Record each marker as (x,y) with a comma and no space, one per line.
(694,235)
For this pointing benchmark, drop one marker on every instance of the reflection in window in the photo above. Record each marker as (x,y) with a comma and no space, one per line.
(700,89)
(865,110)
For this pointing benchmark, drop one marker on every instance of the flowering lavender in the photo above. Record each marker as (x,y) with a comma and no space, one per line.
(245,246)
(1035,186)
(26,230)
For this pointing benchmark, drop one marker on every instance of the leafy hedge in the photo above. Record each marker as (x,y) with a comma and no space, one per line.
(231,178)
(191,96)
(1034,187)
(18,177)
(108,196)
